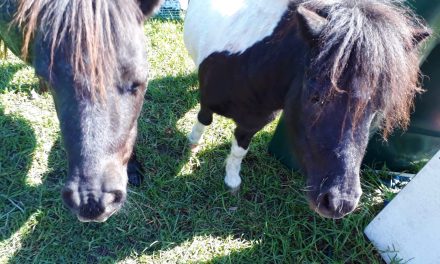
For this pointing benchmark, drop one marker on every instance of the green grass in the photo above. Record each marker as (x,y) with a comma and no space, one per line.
(182,213)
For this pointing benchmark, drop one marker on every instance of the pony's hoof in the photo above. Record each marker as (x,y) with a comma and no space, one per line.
(135,178)
(135,173)
(234,191)
(194,147)
(233,184)
(44,86)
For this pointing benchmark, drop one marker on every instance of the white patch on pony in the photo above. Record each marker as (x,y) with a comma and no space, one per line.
(233,165)
(228,8)
(196,133)
(229,25)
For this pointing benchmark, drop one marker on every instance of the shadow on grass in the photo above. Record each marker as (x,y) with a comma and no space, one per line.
(174,207)
(17,146)
(18,143)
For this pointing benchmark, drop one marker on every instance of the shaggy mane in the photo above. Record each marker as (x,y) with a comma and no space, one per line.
(91,30)
(369,45)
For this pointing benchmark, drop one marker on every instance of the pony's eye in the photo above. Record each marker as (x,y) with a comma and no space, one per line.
(134,87)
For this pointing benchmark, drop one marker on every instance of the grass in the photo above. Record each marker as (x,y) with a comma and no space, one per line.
(182,213)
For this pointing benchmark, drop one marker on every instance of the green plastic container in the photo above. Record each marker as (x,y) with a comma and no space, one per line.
(409,150)
(404,150)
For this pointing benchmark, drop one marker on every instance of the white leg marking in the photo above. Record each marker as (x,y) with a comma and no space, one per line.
(196,133)
(233,165)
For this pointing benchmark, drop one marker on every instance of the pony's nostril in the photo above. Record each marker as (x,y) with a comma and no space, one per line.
(325,202)
(330,204)
(67,195)
(118,196)
(334,205)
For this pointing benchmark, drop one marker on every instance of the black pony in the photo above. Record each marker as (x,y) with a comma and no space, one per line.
(91,54)
(337,68)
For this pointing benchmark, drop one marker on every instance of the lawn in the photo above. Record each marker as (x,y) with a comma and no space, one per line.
(182,213)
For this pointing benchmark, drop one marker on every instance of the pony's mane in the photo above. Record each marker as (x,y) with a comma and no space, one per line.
(90,29)
(368,50)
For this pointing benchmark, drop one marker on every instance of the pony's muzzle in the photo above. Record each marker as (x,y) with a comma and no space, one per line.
(93,206)
(333,203)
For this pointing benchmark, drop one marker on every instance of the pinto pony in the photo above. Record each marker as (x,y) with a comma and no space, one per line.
(91,55)
(337,68)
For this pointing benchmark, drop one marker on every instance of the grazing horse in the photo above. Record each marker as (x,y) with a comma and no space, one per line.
(92,56)
(337,68)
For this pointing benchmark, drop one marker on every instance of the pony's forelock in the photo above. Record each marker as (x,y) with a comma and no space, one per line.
(367,51)
(92,29)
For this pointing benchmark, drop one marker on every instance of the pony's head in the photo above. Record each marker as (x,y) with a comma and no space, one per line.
(92,55)
(362,72)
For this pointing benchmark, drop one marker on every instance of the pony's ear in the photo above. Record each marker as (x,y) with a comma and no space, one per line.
(420,35)
(149,7)
(311,24)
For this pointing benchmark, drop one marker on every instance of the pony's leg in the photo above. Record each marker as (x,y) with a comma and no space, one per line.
(135,171)
(239,149)
(204,119)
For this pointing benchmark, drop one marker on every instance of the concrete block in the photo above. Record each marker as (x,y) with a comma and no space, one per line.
(408,228)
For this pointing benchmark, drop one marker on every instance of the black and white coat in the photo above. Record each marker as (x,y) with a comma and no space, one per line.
(242,49)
